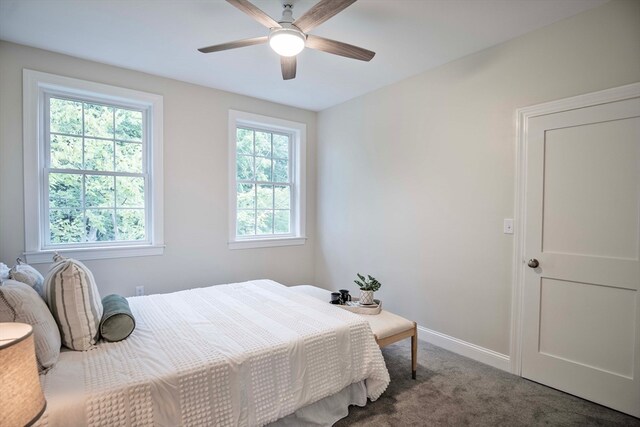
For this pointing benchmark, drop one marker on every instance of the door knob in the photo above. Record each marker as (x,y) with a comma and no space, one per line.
(533,263)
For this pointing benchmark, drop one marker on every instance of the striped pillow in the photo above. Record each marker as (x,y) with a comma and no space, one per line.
(73,299)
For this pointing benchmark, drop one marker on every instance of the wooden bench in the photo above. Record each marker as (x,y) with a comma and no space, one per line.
(386,326)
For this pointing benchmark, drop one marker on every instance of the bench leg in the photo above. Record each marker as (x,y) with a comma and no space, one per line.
(414,351)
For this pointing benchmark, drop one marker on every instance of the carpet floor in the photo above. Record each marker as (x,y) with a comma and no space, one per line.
(452,390)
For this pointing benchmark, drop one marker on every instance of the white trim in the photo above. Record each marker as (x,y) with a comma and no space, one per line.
(267,243)
(522,119)
(472,351)
(46,256)
(299,154)
(35,84)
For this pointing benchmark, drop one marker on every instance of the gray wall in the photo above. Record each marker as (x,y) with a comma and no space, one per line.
(195,169)
(415,179)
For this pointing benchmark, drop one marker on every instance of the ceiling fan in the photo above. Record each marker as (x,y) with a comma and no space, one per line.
(289,37)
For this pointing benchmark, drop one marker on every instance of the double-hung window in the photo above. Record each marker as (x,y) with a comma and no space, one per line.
(267,181)
(92,169)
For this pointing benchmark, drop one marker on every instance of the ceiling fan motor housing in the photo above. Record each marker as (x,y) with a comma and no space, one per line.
(287,12)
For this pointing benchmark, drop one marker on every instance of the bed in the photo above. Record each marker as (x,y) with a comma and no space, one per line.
(244,354)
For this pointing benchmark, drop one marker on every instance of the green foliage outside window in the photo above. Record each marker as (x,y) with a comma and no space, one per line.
(263,185)
(89,146)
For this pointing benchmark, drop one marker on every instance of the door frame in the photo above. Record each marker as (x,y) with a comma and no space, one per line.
(523,115)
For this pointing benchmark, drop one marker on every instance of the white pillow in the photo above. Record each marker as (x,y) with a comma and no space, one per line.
(4,272)
(26,274)
(20,303)
(74,301)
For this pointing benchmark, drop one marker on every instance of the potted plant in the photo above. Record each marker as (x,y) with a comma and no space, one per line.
(367,287)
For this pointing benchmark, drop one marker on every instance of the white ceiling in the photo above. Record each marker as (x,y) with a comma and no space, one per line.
(161,37)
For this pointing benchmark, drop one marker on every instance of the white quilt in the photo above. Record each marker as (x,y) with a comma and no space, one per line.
(244,354)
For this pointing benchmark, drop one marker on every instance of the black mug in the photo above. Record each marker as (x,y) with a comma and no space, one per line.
(336,298)
(344,294)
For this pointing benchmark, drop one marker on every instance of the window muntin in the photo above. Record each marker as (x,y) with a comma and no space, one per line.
(263,182)
(96,179)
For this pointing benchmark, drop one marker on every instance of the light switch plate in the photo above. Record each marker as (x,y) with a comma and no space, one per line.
(139,291)
(508,226)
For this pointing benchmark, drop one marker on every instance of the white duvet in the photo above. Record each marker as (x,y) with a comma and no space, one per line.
(244,354)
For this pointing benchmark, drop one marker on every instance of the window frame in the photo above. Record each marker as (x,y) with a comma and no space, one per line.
(297,142)
(38,87)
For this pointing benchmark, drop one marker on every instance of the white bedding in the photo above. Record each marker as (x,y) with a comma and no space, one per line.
(243,354)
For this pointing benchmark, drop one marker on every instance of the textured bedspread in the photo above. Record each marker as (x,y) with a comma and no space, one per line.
(242,354)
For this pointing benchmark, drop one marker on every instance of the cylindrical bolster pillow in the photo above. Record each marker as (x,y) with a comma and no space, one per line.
(117,321)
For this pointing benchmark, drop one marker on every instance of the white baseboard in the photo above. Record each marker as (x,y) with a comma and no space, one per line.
(472,351)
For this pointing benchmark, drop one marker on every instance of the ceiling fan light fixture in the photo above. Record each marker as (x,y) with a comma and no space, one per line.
(286,41)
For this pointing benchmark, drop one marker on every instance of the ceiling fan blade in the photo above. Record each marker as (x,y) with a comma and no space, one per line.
(320,12)
(234,45)
(339,48)
(254,12)
(288,65)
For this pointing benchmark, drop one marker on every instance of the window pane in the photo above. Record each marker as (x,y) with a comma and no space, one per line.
(244,167)
(264,222)
(99,191)
(129,125)
(98,155)
(130,224)
(280,146)
(246,223)
(66,225)
(66,152)
(98,120)
(100,225)
(263,144)
(246,196)
(281,171)
(130,192)
(282,197)
(265,196)
(263,169)
(244,138)
(65,190)
(128,157)
(65,116)
(281,222)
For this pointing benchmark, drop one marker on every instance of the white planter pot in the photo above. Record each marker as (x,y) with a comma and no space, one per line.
(366,297)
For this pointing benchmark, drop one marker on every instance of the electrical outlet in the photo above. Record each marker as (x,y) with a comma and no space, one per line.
(139,291)
(508,226)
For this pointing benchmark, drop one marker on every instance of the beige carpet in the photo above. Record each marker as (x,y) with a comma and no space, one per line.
(452,390)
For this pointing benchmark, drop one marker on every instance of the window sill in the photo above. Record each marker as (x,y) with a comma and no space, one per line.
(267,243)
(46,256)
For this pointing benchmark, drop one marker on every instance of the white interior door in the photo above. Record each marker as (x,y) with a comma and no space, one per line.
(581,310)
